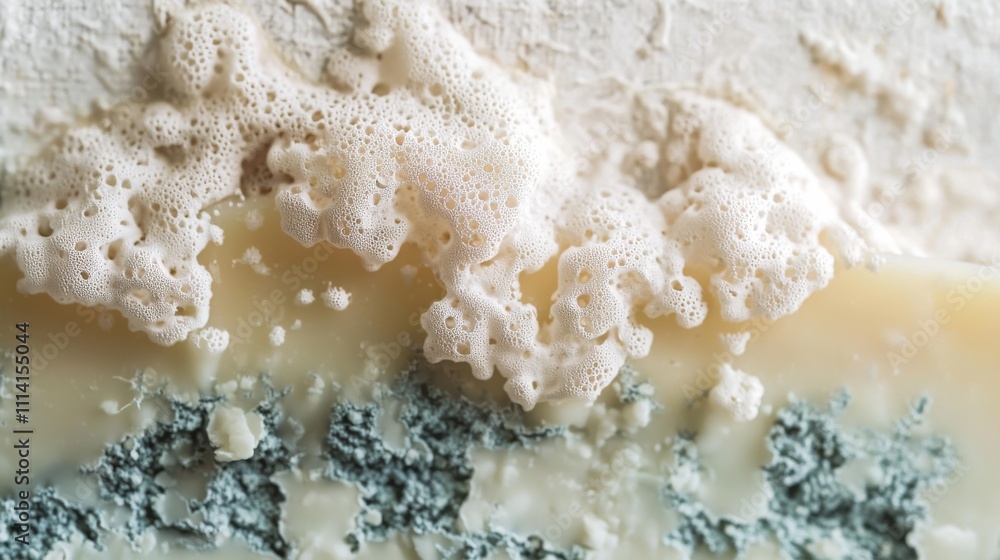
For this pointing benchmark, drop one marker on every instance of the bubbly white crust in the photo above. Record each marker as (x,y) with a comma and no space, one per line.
(336,298)
(420,140)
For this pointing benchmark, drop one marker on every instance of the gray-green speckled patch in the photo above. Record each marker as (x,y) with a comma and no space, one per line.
(54,519)
(808,503)
(421,488)
(241,499)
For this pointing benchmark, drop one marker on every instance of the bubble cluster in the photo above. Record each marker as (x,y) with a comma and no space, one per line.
(415,138)
(748,211)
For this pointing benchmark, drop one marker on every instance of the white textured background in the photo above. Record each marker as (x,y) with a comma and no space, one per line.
(896,72)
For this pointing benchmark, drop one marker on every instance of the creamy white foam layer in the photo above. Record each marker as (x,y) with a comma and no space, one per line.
(418,139)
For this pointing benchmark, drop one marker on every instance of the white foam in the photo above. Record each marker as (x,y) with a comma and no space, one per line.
(336,298)
(421,140)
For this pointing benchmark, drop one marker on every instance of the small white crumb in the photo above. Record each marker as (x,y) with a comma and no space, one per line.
(409,272)
(277,336)
(945,541)
(110,407)
(247,382)
(833,547)
(596,533)
(234,433)
(412,456)
(252,258)
(254,220)
(304,297)
(165,480)
(147,542)
(373,517)
(735,343)
(336,298)
(636,414)
(738,393)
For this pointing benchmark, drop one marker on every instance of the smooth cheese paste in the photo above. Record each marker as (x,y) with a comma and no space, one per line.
(265,297)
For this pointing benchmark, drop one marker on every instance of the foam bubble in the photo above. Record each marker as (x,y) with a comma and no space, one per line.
(336,298)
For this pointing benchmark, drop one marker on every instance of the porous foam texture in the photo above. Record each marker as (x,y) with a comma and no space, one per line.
(417,139)
(749,211)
